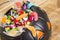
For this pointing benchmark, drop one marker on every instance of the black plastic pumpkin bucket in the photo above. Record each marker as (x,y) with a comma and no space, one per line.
(42,25)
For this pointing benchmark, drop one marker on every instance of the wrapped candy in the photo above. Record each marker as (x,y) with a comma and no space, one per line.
(12,26)
(15,29)
(21,16)
(7,29)
(25,18)
(21,12)
(8,17)
(8,21)
(15,21)
(27,10)
(28,22)
(18,4)
(14,12)
(30,18)
(24,6)
(29,5)
(35,15)
(22,22)
(3,20)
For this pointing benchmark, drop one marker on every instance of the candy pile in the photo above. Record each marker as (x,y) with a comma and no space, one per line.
(15,20)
